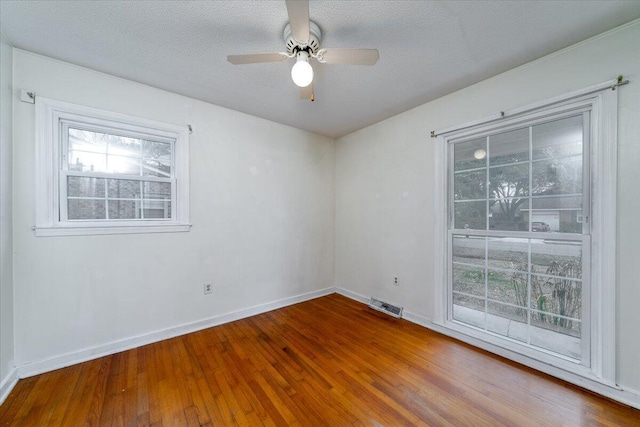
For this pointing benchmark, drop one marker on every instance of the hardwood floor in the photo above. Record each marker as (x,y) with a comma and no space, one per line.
(325,362)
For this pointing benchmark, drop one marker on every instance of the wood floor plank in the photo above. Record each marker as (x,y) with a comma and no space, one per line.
(328,361)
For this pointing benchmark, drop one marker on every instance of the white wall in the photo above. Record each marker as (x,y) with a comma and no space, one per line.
(262,208)
(385,204)
(6,253)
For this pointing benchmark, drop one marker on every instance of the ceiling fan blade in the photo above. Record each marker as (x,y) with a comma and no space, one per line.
(256,58)
(298,11)
(306,93)
(348,56)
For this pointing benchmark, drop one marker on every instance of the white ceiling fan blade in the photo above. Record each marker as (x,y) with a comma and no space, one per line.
(256,58)
(306,93)
(298,11)
(348,56)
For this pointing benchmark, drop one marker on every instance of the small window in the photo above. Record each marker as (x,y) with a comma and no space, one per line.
(106,173)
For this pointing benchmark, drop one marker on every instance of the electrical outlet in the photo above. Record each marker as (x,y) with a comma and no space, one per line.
(208,288)
(395,281)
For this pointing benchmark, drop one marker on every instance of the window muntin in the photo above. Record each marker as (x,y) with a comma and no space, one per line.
(507,189)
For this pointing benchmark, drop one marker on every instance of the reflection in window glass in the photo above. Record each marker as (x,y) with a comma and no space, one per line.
(470,154)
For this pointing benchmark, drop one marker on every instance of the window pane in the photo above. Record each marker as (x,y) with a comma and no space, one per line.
(157,209)
(123,165)
(469,310)
(470,154)
(558,138)
(123,146)
(156,150)
(557,176)
(557,295)
(509,287)
(85,140)
(124,209)
(508,253)
(470,185)
(472,215)
(508,321)
(556,334)
(80,186)
(124,189)
(526,288)
(555,214)
(157,190)
(469,280)
(509,181)
(86,209)
(84,161)
(469,250)
(506,214)
(509,147)
(563,259)
(152,167)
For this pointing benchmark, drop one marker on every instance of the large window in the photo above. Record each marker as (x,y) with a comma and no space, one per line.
(518,249)
(529,233)
(108,173)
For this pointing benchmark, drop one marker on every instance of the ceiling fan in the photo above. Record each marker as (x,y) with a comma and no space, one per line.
(302,39)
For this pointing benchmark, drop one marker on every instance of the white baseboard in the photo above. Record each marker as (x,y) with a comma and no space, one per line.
(7,384)
(62,361)
(353,295)
(628,397)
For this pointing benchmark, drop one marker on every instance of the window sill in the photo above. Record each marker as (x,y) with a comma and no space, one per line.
(93,230)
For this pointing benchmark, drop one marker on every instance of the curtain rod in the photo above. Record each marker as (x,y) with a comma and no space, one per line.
(611,84)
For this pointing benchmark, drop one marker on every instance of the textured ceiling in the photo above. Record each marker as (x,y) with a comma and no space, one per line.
(427,48)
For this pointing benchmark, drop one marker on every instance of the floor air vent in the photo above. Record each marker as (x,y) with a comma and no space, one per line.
(385,307)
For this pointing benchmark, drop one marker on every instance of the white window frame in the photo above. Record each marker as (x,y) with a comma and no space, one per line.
(52,117)
(601,100)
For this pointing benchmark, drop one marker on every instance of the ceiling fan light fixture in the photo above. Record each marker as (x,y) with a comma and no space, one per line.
(302,71)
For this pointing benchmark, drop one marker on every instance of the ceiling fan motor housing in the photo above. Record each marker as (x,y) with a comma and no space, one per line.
(294,46)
